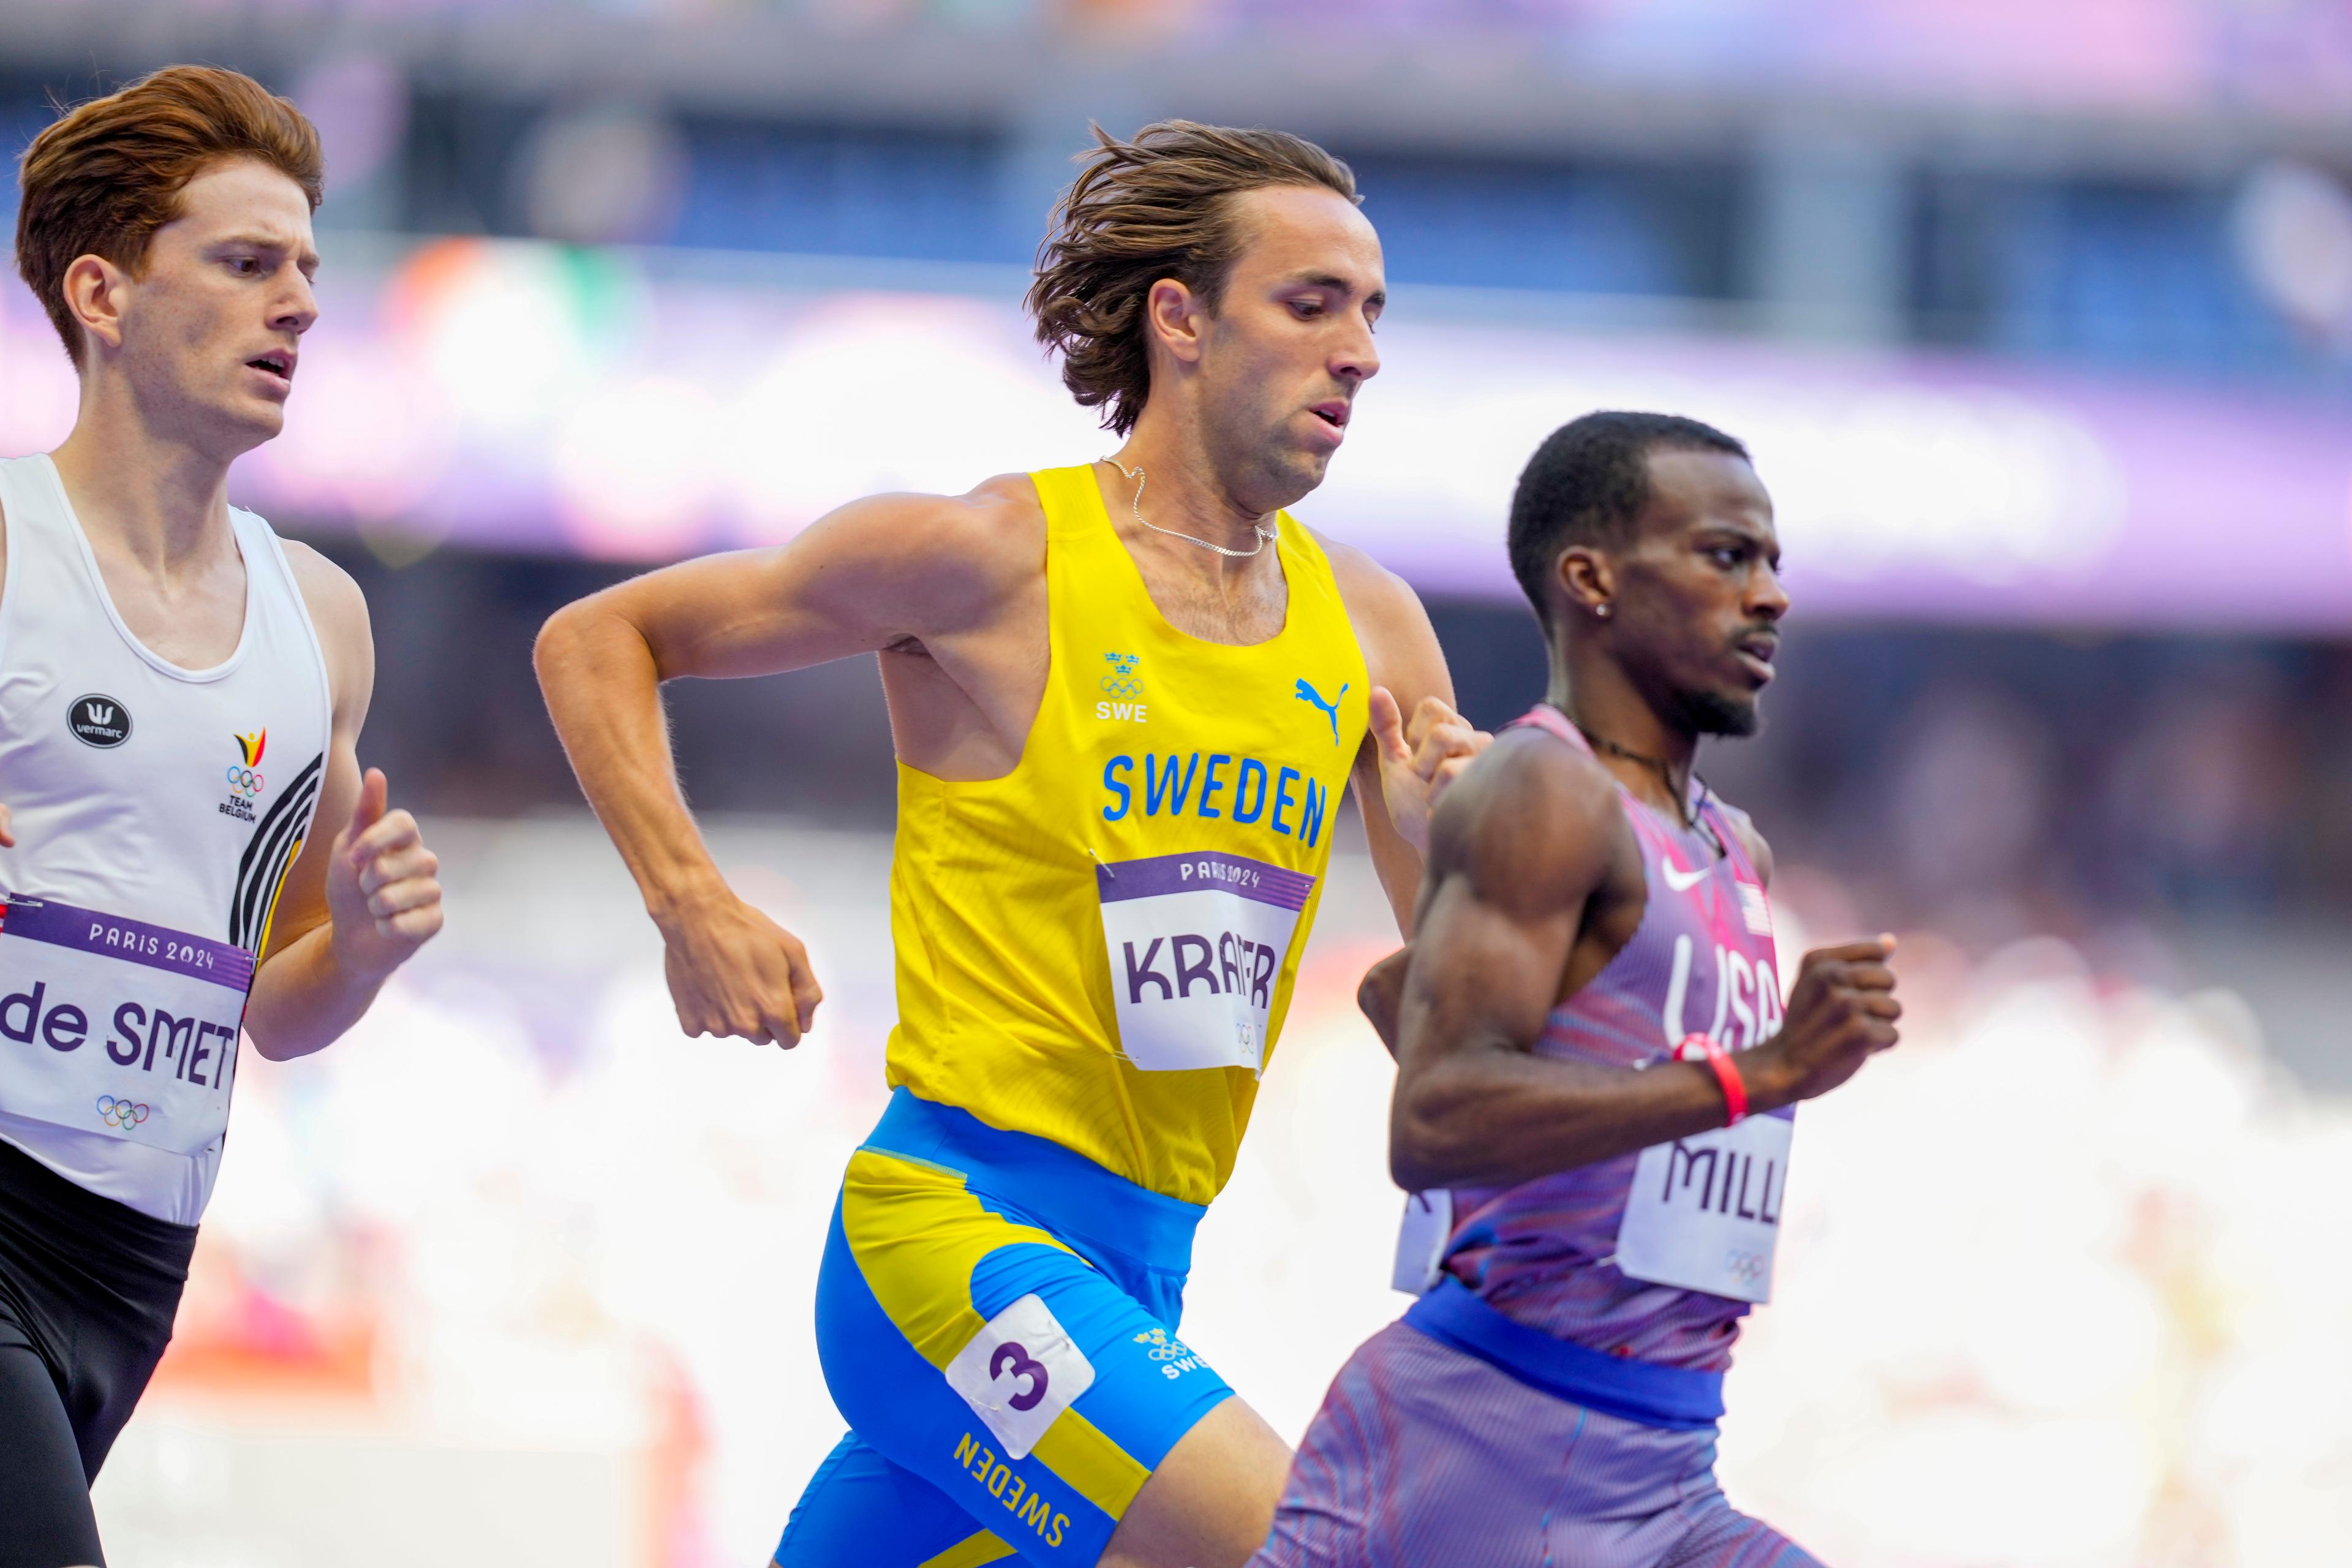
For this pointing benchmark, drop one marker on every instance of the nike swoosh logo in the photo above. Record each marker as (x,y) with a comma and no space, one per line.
(1681,881)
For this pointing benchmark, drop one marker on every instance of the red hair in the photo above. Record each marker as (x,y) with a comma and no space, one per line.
(107,174)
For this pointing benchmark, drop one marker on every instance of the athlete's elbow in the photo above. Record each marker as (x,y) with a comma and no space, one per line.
(580,640)
(557,643)
(1427,1142)
(278,1039)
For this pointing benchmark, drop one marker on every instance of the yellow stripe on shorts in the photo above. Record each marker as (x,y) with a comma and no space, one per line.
(969,1553)
(1097,1469)
(917,1235)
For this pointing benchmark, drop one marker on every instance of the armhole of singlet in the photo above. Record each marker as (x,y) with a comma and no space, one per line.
(1735,843)
(1315,560)
(1060,539)
(13,571)
(301,607)
(1547,720)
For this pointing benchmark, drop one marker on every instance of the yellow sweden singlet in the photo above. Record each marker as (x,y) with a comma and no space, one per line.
(1098,947)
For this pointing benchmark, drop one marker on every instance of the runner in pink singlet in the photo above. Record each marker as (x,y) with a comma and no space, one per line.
(1544,1253)
(1596,1079)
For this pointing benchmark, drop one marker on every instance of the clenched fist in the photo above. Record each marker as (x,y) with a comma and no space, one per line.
(733,970)
(383,890)
(1420,757)
(1841,1011)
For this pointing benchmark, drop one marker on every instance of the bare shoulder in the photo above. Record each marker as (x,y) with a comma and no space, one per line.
(1533,823)
(998,523)
(1759,853)
(1370,590)
(1391,625)
(331,594)
(963,552)
(338,614)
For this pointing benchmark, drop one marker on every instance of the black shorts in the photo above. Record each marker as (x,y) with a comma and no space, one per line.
(87,1290)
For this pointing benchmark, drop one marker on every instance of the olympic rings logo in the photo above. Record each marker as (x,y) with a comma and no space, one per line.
(1163,1347)
(1747,1268)
(244,781)
(1117,686)
(121,1112)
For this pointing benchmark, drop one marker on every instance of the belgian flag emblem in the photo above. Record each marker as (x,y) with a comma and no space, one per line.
(252,745)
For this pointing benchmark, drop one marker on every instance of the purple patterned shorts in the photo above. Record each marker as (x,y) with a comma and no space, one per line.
(1423,1455)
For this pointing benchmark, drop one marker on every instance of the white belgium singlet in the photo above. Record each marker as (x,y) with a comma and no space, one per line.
(155,812)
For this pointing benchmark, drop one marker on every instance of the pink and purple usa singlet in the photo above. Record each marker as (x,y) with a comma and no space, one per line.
(1540,1404)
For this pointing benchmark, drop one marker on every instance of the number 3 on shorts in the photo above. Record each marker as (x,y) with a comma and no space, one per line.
(1020,1373)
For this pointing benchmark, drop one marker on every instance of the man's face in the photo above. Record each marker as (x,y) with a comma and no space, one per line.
(210,325)
(1290,343)
(1698,592)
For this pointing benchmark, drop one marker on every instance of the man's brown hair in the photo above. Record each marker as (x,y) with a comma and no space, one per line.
(1162,206)
(107,174)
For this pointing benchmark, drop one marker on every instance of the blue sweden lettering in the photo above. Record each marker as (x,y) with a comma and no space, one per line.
(1169,783)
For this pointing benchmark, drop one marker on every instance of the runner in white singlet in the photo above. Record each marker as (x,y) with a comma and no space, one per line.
(188,852)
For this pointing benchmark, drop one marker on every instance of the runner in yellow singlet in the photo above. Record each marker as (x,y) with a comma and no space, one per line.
(1125,697)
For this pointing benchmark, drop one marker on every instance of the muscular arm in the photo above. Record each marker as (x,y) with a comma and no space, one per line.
(362,897)
(886,572)
(1402,656)
(1518,849)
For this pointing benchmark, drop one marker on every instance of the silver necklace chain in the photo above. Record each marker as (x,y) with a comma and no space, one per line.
(1265,536)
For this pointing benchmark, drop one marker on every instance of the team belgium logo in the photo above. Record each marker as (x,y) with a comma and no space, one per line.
(244,781)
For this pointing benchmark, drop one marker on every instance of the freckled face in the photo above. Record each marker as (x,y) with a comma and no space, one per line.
(212,324)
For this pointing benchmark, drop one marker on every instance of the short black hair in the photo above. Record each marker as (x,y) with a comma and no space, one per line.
(1588,483)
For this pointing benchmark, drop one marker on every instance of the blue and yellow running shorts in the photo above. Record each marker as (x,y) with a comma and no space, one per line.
(996,1317)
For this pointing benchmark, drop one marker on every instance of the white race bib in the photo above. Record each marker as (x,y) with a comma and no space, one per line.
(1197,943)
(1428,1226)
(116,1027)
(1705,1212)
(1020,1373)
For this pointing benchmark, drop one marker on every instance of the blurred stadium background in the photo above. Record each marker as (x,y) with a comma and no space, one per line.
(2039,319)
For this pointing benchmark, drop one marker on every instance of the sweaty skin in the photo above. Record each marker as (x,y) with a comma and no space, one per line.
(1247,404)
(170,397)
(1535,878)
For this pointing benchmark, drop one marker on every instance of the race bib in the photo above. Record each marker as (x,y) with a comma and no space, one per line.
(117,1027)
(1705,1212)
(1196,945)
(1428,1226)
(1020,1373)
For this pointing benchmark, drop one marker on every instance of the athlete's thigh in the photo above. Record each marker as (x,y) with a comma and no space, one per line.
(1422,1454)
(860,1510)
(1210,1501)
(987,1358)
(43,1496)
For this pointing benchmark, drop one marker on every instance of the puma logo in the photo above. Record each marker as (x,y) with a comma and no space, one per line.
(1330,709)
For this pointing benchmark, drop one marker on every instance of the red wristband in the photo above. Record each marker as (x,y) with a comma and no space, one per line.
(1735,1094)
